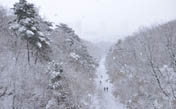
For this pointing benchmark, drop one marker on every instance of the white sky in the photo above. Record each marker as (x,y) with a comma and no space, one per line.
(105,20)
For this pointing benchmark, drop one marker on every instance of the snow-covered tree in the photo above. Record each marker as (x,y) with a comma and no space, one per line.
(61,92)
(144,63)
(68,30)
(27,85)
(55,72)
(26,26)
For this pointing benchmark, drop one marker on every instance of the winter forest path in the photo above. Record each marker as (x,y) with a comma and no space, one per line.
(104,98)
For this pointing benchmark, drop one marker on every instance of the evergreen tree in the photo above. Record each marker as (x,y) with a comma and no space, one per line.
(66,28)
(55,72)
(26,26)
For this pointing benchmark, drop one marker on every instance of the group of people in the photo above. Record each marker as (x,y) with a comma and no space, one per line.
(105,88)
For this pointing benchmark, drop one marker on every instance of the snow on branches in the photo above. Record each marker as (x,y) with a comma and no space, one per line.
(55,71)
(26,24)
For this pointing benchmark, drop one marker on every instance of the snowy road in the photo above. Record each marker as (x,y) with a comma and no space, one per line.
(105,98)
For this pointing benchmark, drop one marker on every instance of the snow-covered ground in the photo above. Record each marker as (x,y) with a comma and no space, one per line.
(104,98)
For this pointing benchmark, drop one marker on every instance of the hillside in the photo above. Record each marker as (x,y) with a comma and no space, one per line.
(142,68)
(60,78)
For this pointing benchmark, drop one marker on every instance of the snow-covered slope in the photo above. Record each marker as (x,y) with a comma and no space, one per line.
(141,68)
(63,82)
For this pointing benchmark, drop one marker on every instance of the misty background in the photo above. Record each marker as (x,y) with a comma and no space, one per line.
(104,20)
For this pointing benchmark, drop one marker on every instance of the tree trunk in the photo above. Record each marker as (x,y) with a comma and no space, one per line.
(28,53)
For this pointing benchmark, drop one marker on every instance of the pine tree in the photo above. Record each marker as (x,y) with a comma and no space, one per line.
(55,71)
(26,26)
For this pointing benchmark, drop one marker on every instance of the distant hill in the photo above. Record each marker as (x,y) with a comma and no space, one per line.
(143,68)
(97,50)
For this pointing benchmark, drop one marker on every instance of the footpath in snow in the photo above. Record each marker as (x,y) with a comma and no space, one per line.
(104,98)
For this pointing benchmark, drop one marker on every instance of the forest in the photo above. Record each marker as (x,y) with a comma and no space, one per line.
(44,65)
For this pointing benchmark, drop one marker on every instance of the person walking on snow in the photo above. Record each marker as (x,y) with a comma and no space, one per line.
(100,81)
(107,89)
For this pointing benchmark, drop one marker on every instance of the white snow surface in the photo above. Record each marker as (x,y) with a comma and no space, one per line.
(104,99)
(39,44)
(74,56)
(30,33)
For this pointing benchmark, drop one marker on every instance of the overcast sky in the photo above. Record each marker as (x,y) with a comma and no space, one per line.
(105,20)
